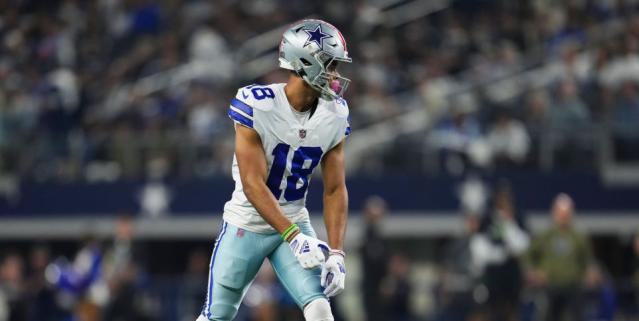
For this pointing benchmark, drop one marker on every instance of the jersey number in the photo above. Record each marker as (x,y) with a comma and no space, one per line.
(299,172)
(262,92)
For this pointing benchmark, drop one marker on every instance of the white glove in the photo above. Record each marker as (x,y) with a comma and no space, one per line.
(308,250)
(333,273)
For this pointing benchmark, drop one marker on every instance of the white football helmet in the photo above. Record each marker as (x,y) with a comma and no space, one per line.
(313,49)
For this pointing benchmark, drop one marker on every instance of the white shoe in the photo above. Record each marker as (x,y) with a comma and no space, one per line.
(202,318)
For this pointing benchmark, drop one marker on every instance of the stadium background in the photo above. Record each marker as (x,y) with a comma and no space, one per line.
(115,152)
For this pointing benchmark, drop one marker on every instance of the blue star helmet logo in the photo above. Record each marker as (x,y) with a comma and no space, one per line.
(316,36)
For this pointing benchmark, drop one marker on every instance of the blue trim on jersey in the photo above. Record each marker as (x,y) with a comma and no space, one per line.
(348,131)
(242,106)
(209,294)
(240,118)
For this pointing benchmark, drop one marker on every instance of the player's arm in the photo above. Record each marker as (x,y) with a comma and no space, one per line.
(335,214)
(253,174)
(253,171)
(335,196)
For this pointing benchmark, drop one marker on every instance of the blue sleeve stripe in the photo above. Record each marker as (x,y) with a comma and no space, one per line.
(237,110)
(242,106)
(240,118)
(348,131)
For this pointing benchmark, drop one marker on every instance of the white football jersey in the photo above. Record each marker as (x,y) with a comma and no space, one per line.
(294,144)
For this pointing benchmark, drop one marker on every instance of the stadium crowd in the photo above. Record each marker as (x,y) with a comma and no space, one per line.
(63,61)
(496,270)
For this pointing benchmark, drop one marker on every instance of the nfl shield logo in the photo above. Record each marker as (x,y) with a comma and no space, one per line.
(302,133)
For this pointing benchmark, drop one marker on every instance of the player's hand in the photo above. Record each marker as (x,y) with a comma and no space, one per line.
(308,250)
(333,274)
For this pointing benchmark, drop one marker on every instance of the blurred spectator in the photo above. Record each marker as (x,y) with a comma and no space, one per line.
(558,261)
(536,120)
(396,290)
(570,126)
(459,278)
(460,139)
(121,251)
(624,66)
(122,271)
(42,301)
(496,252)
(626,112)
(374,255)
(625,120)
(508,141)
(79,286)
(568,112)
(481,273)
(461,128)
(80,79)
(13,300)
(536,112)
(600,300)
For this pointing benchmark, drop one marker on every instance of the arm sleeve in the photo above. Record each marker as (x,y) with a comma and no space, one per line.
(241,113)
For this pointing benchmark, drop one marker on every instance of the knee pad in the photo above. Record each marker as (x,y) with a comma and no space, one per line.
(318,310)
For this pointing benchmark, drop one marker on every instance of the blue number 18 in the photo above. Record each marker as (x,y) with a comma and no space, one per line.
(298,172)
(262,92)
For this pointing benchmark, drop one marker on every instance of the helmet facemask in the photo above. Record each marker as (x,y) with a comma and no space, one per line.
(329,82)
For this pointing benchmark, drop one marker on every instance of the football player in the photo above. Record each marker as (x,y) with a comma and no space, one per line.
(282,132)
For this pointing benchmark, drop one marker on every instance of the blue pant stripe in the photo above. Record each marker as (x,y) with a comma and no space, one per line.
(209,293)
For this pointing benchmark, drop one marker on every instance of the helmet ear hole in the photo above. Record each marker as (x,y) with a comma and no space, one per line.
(305,62)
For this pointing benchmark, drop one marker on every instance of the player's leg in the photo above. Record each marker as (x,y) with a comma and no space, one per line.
(318,310)
(236,258)
(303,285)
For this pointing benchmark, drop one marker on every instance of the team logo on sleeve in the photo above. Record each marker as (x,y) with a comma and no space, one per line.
(302,133)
